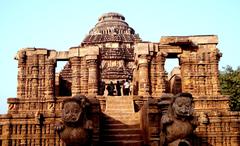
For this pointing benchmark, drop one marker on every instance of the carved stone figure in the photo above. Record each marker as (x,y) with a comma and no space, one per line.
(76,128)
(178,123)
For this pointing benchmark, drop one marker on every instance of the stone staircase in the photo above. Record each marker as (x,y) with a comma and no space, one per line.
(120,124)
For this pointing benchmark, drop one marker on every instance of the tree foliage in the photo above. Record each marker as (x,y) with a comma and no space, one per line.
(230,85)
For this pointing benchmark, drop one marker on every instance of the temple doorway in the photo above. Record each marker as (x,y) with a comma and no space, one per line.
(173,71)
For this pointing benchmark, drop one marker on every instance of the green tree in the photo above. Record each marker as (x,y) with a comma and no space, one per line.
(230,85)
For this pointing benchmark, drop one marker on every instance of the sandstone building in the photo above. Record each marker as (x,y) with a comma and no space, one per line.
(112,51)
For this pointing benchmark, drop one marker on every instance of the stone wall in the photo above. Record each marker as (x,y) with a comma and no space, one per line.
(28,128)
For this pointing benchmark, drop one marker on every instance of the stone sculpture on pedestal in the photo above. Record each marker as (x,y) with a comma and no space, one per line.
(178,123)
(76,128)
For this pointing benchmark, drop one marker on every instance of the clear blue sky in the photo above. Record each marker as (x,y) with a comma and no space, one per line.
(60,24)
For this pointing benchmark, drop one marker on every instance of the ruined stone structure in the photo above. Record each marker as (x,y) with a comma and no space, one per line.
(113,52)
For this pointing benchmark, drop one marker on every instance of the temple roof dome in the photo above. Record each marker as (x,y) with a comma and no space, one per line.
(111,15)
(111,27)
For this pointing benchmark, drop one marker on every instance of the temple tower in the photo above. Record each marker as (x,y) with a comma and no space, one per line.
(115,39)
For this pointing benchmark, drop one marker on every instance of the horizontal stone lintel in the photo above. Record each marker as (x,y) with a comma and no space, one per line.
(60,55)
(195,39)
(170,49)
(83,51)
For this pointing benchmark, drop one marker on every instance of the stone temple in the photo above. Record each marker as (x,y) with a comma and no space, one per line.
(112,51)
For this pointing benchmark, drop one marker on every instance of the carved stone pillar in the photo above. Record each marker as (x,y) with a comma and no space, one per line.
(24,134)
(76,76)
(51,131)
(143,75)
(84,76)
(49,84)
(7,131)
(215,80)
(153,75)
(187,83)
(41,76)
(34,75)
(39,134)
(161,87)
(21,74)
(92,75)
(50,78)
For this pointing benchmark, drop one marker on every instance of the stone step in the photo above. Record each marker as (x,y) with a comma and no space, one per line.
(122,137)
(119,100)
(121,120)
(122,110)
(123,143)
(119,107)
(115,113)
(120,126)
(118,104)
(120,123)
(124,119)
(122,131)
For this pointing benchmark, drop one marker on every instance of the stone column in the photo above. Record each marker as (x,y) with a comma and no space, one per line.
(50,78)
(6,133)
(39,135)
(28,80)
(143,75)
(54,137)
(34,75)
(21,74)
(84,76)
(153,75)
(92,75)
(41,75)
(186,74)
(161,87)
(50,85)
(76,76)
(215,81)
(24,134)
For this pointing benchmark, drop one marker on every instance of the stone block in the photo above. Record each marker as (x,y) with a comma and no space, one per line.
(41,51)
(73,52)
(91,57)
(142,48)
(195,39)
(62,55)
(92,50)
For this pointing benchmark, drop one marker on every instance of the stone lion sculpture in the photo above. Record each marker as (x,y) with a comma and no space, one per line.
(75,128)
(178,123)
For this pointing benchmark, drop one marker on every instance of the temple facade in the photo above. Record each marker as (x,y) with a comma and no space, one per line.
(112,51)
